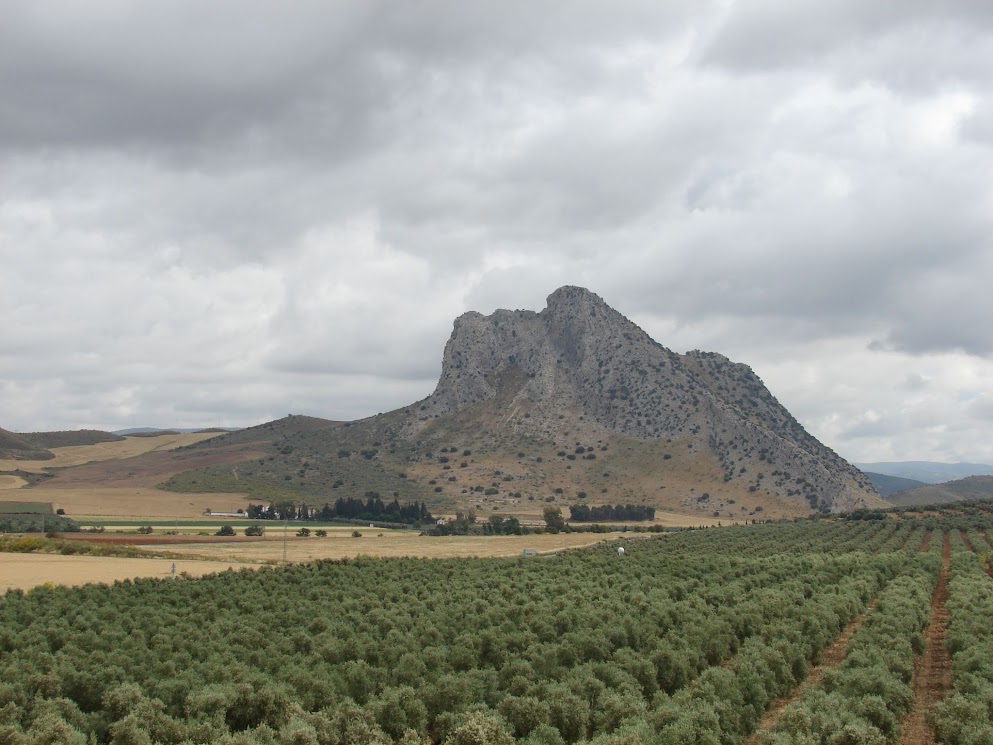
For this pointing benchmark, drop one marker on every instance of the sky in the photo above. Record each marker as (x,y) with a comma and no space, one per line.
(219,213)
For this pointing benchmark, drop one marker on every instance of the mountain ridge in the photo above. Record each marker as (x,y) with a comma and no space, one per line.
(964,489)
(571,404)
(928,472)
(581,354)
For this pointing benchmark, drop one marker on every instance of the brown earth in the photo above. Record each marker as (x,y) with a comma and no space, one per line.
(932,670)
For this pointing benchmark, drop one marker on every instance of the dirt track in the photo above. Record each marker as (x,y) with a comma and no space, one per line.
(831,657)
(932,670)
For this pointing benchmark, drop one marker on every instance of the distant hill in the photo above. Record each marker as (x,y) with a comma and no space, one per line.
(17,447)
(573,403)
(155,431)
(928,472)
(971,487)
(70,438)
(891,484)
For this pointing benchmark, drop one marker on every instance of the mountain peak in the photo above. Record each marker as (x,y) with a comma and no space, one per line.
(579,365)
(571,295)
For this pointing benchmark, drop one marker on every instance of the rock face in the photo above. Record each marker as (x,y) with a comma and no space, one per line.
(580,361)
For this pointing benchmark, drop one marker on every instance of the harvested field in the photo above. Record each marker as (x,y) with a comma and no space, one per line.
(11,482)
(25,571)
(134,503)
(340,544)
(77,455)
(133,539)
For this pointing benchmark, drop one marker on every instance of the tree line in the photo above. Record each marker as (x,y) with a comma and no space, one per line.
(582,513)
(373,508)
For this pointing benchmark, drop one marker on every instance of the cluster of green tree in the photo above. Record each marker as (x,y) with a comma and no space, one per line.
(867,515)
(965,716)
(34,523)
(582,513)
(465,523)
(373,509)
(685,638)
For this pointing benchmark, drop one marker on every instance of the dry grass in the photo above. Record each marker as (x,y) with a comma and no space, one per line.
(127,448)
(11,482)
(25,571)
(340,544)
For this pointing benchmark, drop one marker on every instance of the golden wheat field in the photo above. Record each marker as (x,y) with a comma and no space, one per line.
(8,481)
(77,455)
(134,503)
(340,544)
(24,571)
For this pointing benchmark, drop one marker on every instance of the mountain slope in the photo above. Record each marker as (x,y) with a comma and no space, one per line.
(17,447)
(887,485)
(573,403)
(971,487)
(70,438)
(580,357)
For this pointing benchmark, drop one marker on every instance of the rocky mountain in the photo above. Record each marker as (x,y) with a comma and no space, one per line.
(572,403)
(579,359)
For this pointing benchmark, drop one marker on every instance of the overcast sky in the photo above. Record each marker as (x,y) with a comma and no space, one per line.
(218,213)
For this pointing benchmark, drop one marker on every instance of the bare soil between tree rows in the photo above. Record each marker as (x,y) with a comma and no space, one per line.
(932,670)
(831,657)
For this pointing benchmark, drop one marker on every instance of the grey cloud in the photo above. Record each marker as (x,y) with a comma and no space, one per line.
(982,408)
(266,210)
(776,34)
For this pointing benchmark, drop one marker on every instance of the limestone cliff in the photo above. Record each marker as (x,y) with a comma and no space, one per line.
(580,363)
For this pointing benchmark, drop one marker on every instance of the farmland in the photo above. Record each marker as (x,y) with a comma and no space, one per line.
(25,571)
(76,455)
(816,631)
